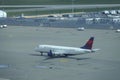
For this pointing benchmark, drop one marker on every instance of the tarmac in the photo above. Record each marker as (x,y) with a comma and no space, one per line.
(19,61)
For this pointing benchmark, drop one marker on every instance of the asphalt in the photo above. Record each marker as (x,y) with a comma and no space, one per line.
(19,61)
(56,7)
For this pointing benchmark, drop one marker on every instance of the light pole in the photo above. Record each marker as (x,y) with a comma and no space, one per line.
(72,6)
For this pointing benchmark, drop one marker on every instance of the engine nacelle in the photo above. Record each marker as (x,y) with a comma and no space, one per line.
(50,53)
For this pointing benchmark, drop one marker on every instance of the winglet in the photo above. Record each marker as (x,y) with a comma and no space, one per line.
(88,44)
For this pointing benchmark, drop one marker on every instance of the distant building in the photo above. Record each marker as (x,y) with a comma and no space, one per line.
(3,14)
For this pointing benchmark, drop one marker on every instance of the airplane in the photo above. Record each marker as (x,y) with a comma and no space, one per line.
(63,51)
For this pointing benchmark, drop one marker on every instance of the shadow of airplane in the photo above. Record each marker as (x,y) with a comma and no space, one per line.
(68,57)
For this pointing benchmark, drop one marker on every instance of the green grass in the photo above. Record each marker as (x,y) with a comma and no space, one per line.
(38,2)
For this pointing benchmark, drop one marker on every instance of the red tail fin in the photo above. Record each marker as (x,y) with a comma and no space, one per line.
(89,44)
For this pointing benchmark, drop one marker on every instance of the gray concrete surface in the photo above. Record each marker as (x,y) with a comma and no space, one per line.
(18,61)
(56,7)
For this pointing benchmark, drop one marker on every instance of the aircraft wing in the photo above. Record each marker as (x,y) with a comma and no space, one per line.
(62,52)
(59,52)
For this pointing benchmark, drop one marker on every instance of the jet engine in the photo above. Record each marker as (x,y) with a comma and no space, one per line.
(50,53)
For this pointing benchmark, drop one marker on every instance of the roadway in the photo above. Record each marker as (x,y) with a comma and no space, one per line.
(19,61)
(55,7)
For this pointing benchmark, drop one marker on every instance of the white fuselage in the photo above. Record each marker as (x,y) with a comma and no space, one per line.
(61,50)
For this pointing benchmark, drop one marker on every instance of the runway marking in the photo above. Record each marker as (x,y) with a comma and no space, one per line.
(46,67)
(64,60)
(10,36)
(42,67)
(4,79)
(3,66)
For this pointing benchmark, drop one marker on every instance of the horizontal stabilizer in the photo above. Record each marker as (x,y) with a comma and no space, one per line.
(94,50)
